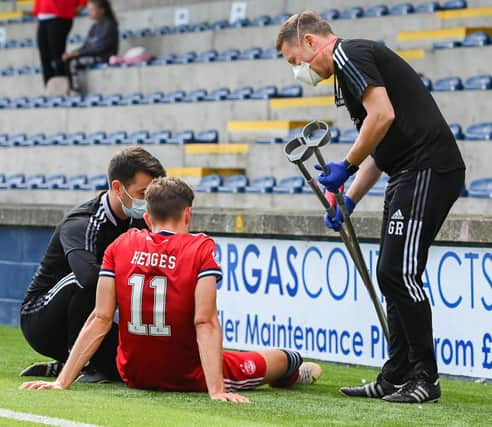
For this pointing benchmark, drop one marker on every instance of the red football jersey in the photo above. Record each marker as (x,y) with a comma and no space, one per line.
(156,276)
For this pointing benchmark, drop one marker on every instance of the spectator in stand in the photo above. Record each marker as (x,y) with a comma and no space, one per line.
(102,42)
(55,19)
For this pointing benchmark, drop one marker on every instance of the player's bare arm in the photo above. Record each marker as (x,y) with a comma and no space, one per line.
(90,338)
(209,338)
(380,116)
(365,178)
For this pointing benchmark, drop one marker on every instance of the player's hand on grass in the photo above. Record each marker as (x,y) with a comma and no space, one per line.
(41,385)
(230,397)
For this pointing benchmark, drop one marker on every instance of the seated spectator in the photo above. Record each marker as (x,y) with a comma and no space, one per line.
(102,42)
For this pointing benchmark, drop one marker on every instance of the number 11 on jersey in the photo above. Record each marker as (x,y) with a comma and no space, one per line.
(158,328)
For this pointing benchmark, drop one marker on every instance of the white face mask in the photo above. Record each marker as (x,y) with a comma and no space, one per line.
(305,74)
(138,208)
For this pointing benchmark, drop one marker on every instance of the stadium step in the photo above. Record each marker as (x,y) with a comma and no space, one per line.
(313,101)
(472,12)
(217,155)
(194,174)
(440,33)
(249,131)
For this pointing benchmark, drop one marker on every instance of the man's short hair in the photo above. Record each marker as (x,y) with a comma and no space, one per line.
(126,163)
(307,22)
(167,198)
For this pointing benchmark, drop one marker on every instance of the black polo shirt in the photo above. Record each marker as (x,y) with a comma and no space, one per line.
(419,137)
(87,231)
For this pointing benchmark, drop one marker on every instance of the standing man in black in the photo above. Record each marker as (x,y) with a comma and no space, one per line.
(403,133)
(63,291)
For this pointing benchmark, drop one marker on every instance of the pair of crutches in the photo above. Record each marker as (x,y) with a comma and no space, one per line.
(315,135)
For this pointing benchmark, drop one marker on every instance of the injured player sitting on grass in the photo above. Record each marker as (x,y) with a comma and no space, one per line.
(163,282)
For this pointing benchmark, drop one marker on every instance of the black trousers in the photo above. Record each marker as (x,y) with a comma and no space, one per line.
(52,321)
(52,42)
(73,66)
(416,205)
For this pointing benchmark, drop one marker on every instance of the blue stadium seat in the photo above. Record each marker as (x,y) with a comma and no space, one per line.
(228,55)
(20,102)
(427,82)
(172,97)
(265,92)
(195,95)
(74,183)
(456,131)
(481,188)
(133,99)
(240,23)
(56,101)
(272,140)
(352,13)
(201,26)
(251,53)
(482,82)
(2,178)
(185,58)
(96,137)
(290,91)
(178,29)
(4,102)
(38,102)
(427,7)
(17,139)
(118,137)
(261,21)
(95,183)
(139,137)
(32,182)
(263,184)
(209,136)
(92,100)
(182,137)
(165,29)
(270,53)
(348,136)
(234,184)
(218,94)
(454,4)
(53,182)
(207,56)
(4,140)
(479,132)
(58,138)
(330,14)
(334,134)
(379,187)
(72,101)
(76,138)
(163,60)
(289,185)
(219,25)
(209,184)
(154,98)
(159,137)
(280,19)
(375,11)
(477,39)
(241,93)
(112,100)
(12,181)
(446,44)
(36,139)
(448,84)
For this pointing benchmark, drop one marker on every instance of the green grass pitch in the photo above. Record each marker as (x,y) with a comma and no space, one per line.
(464,403)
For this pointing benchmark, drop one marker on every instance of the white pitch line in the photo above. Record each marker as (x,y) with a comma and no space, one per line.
(25,416)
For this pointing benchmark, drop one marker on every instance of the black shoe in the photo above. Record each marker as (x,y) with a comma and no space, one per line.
(376,389)
(417,390)
(90,376)
(43,369)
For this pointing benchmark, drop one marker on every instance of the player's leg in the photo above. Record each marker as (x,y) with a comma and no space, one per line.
(279,368)
(44,325)
(441,191)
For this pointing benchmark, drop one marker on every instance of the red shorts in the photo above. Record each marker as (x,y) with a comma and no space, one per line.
(243,370)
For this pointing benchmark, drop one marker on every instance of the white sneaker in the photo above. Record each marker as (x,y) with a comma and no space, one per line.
(309,373)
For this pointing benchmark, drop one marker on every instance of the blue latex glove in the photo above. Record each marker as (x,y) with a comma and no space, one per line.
(335,223)
(338,174)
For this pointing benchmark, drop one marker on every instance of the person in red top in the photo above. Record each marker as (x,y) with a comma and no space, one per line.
(164,283)
(55,19)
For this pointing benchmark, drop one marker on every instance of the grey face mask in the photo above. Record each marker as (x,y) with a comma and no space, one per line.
(137,210)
